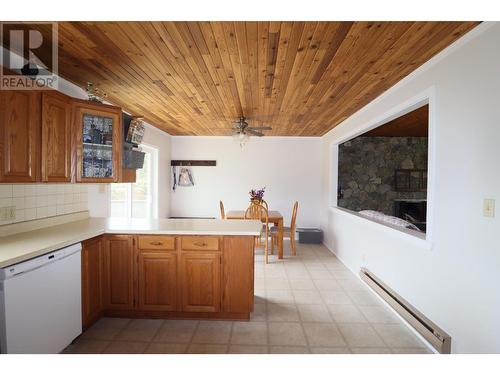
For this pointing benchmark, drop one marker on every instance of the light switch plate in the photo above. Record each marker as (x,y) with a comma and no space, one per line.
(7,213)
(489,207)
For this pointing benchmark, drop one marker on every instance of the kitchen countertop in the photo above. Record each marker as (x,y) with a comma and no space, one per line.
(22,246)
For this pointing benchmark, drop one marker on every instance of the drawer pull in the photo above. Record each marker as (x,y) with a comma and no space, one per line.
(156,243)
(202,244)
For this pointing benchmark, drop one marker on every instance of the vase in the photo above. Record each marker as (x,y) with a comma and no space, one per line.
(256,201)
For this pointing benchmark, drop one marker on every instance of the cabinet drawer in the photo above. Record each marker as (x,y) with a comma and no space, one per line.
(199,243)
(155,243)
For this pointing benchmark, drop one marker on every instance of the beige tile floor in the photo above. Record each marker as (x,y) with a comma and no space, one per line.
(310,303)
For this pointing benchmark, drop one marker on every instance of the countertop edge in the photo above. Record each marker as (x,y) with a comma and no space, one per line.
(105,230)
(182,232)
(48,249)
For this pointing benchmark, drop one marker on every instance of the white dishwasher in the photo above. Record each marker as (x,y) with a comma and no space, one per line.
(40,303)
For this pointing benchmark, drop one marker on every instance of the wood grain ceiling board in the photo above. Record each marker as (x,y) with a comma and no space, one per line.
(412,124)
(194,78)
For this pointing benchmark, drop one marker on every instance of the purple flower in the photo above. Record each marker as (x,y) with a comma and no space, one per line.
(257,194)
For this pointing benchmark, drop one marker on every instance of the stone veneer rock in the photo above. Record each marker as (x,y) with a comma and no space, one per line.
(366,171)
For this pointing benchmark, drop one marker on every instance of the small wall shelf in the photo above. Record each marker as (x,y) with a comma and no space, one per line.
(193,163)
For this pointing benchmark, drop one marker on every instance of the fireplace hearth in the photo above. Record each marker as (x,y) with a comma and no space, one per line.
(412,210)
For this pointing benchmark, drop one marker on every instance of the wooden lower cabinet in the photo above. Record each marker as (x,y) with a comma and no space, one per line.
(156,276)
(200,282)
(238,274)
(118,272)
(157,281)
(92,267)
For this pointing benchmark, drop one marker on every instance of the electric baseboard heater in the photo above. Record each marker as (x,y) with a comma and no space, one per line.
(439,339)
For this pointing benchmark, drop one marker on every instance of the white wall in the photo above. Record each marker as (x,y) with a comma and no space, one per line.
(161,140)
(454,276)
(289,168)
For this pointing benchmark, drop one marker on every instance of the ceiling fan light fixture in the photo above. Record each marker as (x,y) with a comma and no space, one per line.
(241,138)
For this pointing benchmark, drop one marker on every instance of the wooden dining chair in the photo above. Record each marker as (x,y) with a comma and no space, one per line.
(259,212)
(287,231)
(264,203)
(222,212)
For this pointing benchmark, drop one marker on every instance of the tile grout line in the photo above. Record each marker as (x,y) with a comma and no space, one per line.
(357,308)
(344,287)
(328,311)
(152,341)
(113,338)
(231,337)
(190,343)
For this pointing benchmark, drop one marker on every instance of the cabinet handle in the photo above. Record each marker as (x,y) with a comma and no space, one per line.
(156,243)
(201,244)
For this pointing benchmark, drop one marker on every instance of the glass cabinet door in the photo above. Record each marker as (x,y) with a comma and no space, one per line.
(97,146)
(98,133)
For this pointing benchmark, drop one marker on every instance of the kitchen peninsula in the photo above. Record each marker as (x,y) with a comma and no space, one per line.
(164,268)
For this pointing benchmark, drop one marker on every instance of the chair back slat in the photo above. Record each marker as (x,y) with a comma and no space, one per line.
(222,212)
(257,212)
(264,203)
(294,217)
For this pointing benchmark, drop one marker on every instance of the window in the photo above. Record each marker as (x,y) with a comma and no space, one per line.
(137,200)
(382,174)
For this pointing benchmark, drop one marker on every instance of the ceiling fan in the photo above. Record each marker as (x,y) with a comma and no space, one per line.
(241,127)
(241,130)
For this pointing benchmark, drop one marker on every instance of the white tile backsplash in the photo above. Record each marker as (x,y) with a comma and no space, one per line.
(5,191)
(29,214)
(41,200)
(5,202)
(18,191)
(29,190)
(29,202)
(18,202)
(36,201)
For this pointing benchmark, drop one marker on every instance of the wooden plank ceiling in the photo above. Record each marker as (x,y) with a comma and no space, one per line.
(301,78)
(412,124)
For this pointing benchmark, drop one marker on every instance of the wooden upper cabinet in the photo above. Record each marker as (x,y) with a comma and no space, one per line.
(98,142)
(92,280)
(118,283)
(56,137)
(157,281)
(19,136)
(200,282)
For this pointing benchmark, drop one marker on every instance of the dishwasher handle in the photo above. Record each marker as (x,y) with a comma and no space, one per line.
(37,262)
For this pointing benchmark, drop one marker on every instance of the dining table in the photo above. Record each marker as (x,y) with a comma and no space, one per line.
(274,217)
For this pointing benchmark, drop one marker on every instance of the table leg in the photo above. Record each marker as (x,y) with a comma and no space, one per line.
(280,239)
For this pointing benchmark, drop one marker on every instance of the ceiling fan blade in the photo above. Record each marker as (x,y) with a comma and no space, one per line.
(253,132)
(260,128)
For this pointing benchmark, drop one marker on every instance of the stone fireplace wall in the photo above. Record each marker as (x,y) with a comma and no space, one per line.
(366,171)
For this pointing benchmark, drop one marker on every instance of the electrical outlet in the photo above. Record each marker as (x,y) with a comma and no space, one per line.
(489,208)
(7,213)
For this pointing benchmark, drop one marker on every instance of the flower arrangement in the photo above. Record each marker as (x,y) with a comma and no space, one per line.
(257,195)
